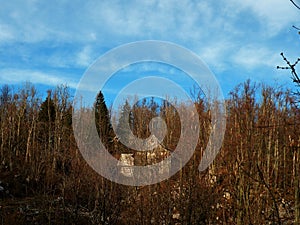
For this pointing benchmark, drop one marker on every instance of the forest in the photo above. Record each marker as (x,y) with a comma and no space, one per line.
(254,179)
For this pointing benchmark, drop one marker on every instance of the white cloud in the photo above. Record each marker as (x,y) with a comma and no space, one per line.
(105,21)
(217,54)
(274,15)
(14,76)
(84,57)
(113,22)
(223,33)
(6,33)
(252,57)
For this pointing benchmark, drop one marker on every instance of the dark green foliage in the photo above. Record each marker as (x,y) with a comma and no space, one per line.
(47,110)
(103,123)
(125,118)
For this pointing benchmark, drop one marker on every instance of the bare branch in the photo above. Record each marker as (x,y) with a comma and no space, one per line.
(296,27)
(298,7)
(291,66)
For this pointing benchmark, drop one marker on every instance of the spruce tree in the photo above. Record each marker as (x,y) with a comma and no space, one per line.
(125,118)
(122,132)
(103,124)
(47,111)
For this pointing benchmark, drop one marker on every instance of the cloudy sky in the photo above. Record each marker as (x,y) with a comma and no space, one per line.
(54,42)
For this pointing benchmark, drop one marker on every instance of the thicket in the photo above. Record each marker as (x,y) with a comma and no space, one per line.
(253,180)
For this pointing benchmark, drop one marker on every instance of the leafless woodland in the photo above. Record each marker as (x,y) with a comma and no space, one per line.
(253,180)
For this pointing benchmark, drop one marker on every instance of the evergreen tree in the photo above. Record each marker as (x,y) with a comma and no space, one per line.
(125,118)
(103,124)
(47,111)
(46,119)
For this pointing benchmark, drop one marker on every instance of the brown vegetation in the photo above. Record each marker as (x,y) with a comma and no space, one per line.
(254,179)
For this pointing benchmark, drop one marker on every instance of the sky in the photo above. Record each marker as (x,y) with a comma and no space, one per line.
(54,42)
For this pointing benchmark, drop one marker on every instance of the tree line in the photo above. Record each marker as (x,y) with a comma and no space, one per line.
(253,180)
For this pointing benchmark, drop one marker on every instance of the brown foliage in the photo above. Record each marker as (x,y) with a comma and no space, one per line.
(254,180)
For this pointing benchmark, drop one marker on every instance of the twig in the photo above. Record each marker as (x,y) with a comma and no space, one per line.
(296,27)
(295,4)
(270,191)
(290,66)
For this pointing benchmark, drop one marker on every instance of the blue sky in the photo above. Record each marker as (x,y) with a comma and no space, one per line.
(53,42)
